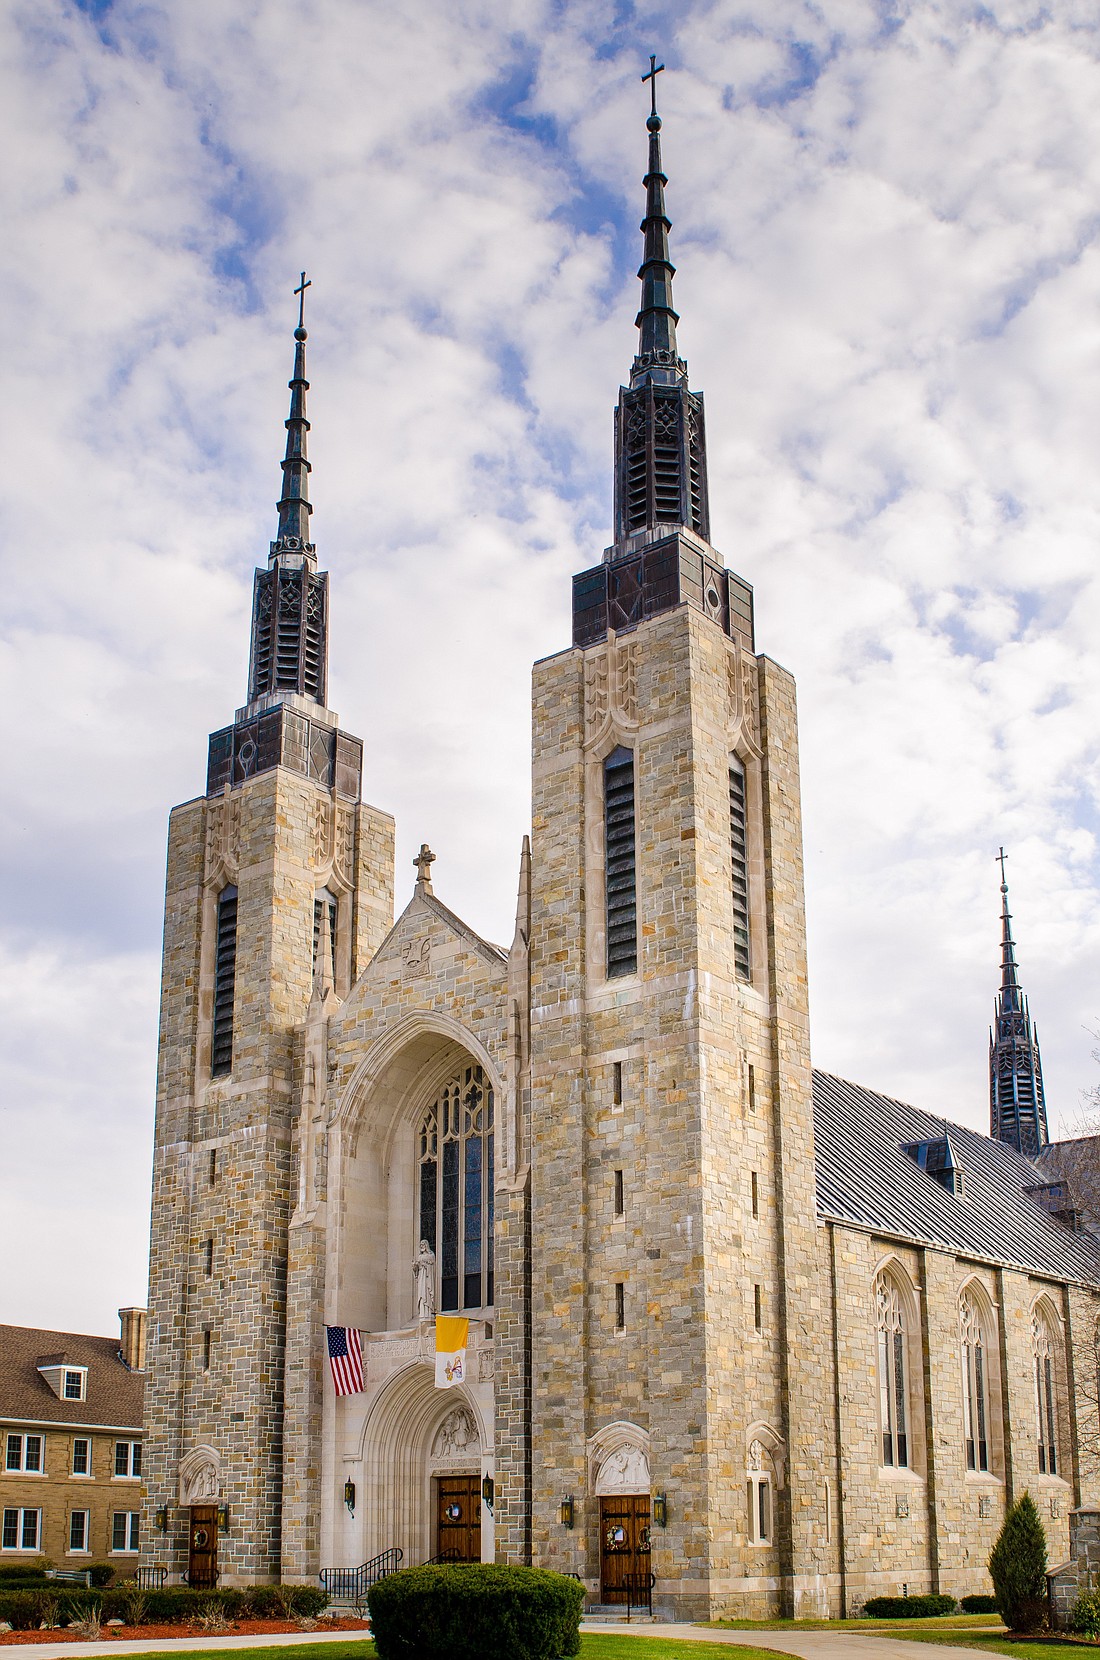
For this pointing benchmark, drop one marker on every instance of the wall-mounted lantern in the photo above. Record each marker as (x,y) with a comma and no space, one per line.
(660,1509)
(566,1511)
(349,1497)
(162,1519)
(223,1518)
(488,1492)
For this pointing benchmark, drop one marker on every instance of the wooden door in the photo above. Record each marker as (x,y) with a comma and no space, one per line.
(202,1558)
(624,1543)
(458,1517)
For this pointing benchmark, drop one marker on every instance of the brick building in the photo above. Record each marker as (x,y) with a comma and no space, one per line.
(71,1426)
(778,1340)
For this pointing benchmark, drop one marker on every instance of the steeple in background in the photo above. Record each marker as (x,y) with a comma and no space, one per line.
(1017,1107)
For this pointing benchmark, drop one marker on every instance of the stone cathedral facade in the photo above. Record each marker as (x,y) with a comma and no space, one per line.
(777,1340)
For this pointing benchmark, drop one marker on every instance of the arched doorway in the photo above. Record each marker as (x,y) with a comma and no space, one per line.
(619,1465)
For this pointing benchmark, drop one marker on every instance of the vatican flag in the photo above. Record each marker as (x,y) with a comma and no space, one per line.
(451,1334)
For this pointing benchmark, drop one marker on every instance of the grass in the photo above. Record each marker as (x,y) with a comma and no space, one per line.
(937,1622)
(593,1647)
(1023,1648)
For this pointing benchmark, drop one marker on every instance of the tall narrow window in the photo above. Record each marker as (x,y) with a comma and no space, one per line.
(620,864)
(760,1495)
(973,1353)
(207,1348)
(758,1307)
(755,1186)
(225,974)
(1042,1343)
(618,1193)
(324,898)
(739,860)
(455,1150)
(620,1306)
(892,1377)
(617,1083)
(208,1265)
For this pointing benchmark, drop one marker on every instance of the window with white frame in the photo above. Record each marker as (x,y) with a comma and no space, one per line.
(1046,1410)
(22,1529)
(761,1496)
(74,1381)
(82,1455)
(124,1530)
(25,1453)
(893,1377)
(974,1355)
(79,1530)
(128,1458)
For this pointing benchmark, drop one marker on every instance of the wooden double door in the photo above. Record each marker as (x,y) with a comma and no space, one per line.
(202,1547)
(458,1517)
(624,1545)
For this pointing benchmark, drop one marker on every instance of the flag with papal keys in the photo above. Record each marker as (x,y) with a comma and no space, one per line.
(451,1333)
(345,1356)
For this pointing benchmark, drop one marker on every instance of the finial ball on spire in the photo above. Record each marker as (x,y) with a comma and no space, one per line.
(301,334)
(653,122)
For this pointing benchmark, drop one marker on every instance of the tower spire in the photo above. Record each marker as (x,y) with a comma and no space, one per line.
(657,318)
(1017,1105)
(290,599)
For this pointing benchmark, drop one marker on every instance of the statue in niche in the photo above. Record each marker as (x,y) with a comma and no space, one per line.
(424,1281)
(624,1471)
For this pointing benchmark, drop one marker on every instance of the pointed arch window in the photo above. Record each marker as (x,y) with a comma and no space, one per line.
(739,857)
(325,897)
(225,976)
(975,1379)
(456,1164)
(893,1377)
(761,1495)
(1046,1411)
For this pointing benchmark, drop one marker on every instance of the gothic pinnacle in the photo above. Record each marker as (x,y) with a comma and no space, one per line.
(657,358)
(1017,1103)
(294,506)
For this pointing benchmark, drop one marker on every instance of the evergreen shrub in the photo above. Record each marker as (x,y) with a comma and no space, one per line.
(980,1603)
(909,1608)
(1084,1619)
(1018,1567)
(465,1611)
(22,1606)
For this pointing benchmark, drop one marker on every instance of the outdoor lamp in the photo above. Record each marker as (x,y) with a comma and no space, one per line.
(488,1491)
(349,1497)
(660,1509)
(162,1519)
(223,1518)
(566,1511)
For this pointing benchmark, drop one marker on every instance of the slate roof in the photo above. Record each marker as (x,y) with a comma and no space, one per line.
(114,1393)
(865,1179)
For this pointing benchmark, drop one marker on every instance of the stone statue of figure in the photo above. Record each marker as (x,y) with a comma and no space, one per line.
(424,1281)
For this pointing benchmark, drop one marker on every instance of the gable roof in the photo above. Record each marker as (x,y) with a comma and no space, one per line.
(865,1179)
(427,902)
(114,1393)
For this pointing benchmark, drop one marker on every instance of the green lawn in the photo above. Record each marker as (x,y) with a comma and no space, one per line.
(940,1622)
(1023,1648)
(593,1647)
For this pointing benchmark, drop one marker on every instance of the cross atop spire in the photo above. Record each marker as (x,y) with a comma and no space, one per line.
(655,69)
(1017,1105)
(301,292)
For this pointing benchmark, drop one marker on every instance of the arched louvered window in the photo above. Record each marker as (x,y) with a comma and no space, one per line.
(620,863)
(225,975)
(1046,1410)
(975,1379)
(739,857)
(893,1378)
(324,898)
(455,1212)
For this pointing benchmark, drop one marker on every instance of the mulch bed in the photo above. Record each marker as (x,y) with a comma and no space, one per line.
(151,1633)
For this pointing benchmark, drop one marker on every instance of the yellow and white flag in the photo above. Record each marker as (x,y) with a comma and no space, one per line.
(451,1333)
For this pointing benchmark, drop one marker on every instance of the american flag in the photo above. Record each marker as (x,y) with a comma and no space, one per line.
(345,1355)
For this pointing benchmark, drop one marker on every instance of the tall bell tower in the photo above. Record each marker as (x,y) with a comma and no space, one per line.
(278,864)
(673,1366)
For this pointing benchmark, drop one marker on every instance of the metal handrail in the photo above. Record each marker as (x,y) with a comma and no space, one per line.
(639,1592)
(150,1579)
(443,1558)
(352,1584)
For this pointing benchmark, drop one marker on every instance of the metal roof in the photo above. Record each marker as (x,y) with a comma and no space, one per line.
(864,1178)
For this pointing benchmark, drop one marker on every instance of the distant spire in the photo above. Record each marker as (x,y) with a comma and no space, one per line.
(656,321)
(290,598)
(1017,1105)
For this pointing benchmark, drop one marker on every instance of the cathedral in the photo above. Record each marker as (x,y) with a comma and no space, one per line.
(742,1335)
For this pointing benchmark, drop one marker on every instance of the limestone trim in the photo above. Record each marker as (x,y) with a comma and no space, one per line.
(361,1106)
(618,1459)
(979,1327)
(766,1452)
(892,1284)
(200,1476)
(610,691)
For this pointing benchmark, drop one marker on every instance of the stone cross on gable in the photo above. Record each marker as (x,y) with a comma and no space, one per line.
(424,861)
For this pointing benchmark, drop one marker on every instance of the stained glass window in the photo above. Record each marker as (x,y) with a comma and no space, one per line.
(455,1152)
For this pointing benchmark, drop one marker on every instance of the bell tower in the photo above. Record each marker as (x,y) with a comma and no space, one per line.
(668,1398)
(279,876)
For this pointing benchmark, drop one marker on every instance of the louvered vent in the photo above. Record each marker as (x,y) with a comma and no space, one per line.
(225,974)
(318,912)
(622,906)
(742,962)
(666,462)
(288,634)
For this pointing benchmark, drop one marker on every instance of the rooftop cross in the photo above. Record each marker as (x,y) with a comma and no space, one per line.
(655,69)
(301,292)
(424,861)
(1001,857)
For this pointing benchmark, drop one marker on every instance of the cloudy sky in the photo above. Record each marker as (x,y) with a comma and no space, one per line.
(885,224)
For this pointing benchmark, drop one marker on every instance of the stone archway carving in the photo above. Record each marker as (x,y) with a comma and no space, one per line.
(200,1477)
(618,1460)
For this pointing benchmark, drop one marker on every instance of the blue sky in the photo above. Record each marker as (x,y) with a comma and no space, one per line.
(885,226)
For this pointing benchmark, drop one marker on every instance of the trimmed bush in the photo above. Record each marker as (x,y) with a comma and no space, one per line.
(980,1603)
(23,1570)
(465,1611)
(102,1573)
(22,1606)
(1018,1567)
(909,1608)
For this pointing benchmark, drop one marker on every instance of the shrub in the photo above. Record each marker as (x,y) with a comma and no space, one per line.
(24,1570)
(102,1573)
(909,1608)
(1084,1619)
(20,1610)
(980,1603)
(1018,1567)
(469,1610)
(134,1604)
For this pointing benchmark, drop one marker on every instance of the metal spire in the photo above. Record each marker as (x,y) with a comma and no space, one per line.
(657,357)
(294,507)
(1017,1105)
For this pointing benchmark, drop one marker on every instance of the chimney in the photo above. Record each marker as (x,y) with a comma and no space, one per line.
(133,1337)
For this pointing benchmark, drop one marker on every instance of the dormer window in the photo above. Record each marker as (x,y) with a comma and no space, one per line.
(74,1385)
(69,1383)
(937,1159)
